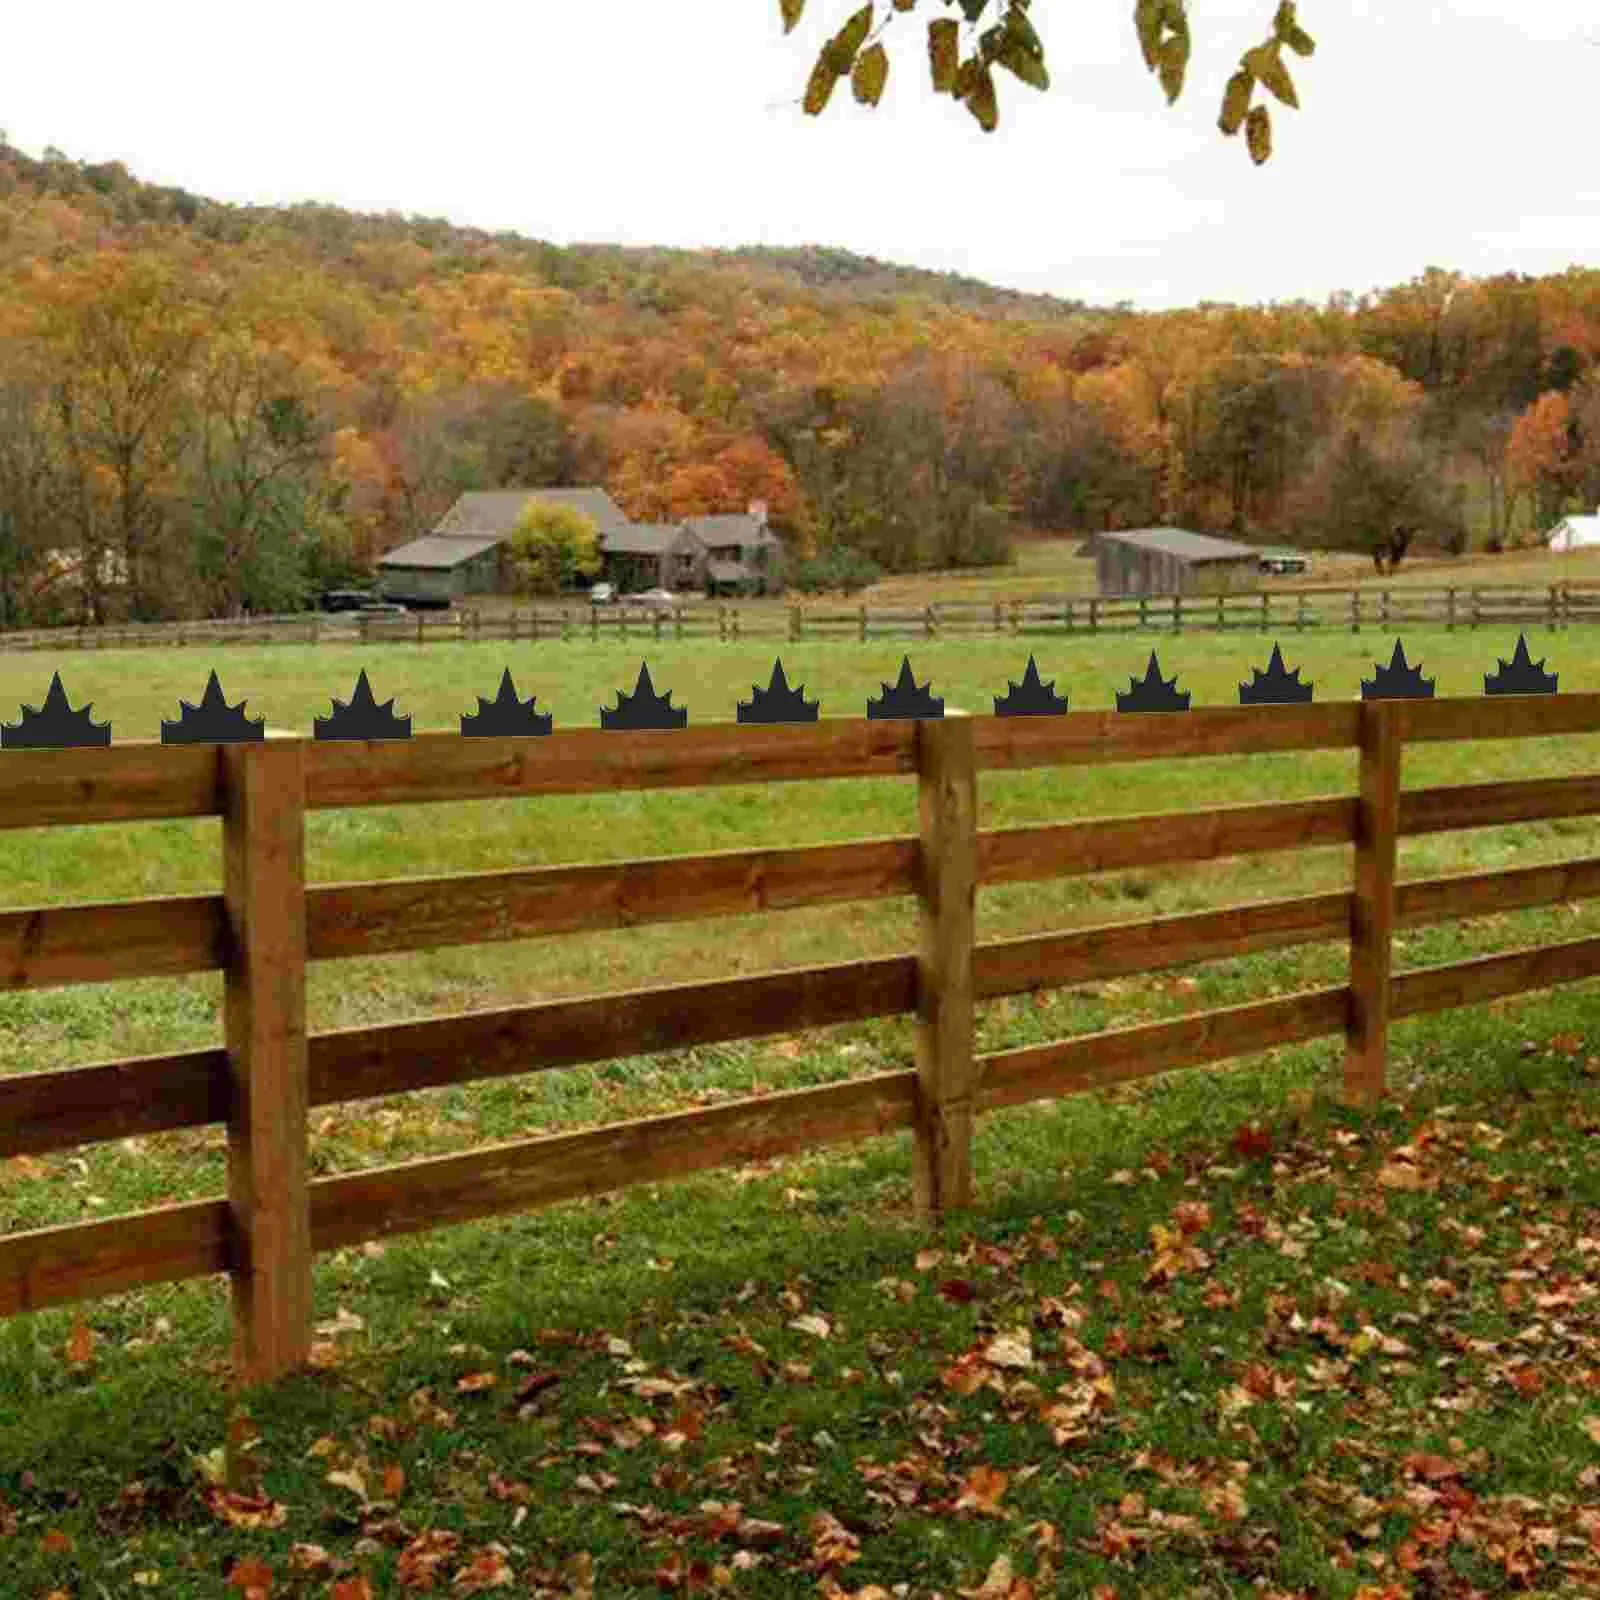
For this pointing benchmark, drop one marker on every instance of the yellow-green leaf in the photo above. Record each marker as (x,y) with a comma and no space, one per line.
(981,101)
(1284,20)
(791,10)
(1027,66)
(944,53)
(1258,134)
(1300,42)
(1148,17)
(819,88)
(1172,60)
(853,35)
(870,74)
(1236,102)
(1265,63)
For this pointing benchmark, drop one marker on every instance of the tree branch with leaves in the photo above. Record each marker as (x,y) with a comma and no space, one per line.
(1000,33)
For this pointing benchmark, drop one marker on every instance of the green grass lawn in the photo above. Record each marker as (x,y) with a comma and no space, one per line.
(1206,1335)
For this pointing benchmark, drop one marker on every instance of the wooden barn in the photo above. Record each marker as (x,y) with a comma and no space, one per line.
(1173,561)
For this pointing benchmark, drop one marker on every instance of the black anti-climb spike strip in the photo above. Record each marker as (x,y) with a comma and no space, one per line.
(506,716)
(905,699)
(1520,675)
(777,702)
(1398,680)
(1152,692)
(213,721)
(362,717)
(1275,686)
(1031,698)
(644,708)
(55,725)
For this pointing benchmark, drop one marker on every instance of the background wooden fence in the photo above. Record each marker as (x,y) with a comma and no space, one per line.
(266,924)
(1554,606)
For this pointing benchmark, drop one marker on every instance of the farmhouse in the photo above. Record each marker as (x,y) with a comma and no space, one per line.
(734,554)
(1172,561)
(746,556)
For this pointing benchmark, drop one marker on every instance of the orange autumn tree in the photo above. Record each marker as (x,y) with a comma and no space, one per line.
(1542,456)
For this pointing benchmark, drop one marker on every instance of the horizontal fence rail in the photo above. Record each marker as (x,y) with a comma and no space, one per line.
(1553,605)
(267,924)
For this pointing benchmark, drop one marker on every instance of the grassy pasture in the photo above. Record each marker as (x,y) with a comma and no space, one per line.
(665,1268)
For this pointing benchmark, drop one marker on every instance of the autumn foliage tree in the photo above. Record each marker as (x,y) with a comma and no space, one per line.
(550,546)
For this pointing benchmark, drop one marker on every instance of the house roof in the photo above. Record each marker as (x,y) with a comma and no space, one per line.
(1182,543)
(640,538)
(437,551)
(495,511)
(736,527)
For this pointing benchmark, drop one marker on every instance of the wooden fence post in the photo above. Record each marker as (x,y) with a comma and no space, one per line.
(794,624)
(264,1019)
(1355,611)
(1372,907)
(863,624)
(948,809)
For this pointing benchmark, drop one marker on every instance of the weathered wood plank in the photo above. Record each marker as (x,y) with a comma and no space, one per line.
(1467,983)
(1471,894)
(361,1063)
(84,1260)
(1054,960)
(264,1022)
(444,766)
(1083,738)
(112,783)
(1483,805)
(105,942)
(1497,716)
(947,800)
(532,1173)
(472,908)
(1016,855)
(44,1111)
(1074,1066)
(1372,904)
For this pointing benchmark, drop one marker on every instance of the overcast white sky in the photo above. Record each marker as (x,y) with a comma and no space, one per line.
(1459,135)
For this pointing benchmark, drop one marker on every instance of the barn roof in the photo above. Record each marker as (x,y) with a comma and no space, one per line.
(495,511)
(1183,544)
(640,538)
(440,552)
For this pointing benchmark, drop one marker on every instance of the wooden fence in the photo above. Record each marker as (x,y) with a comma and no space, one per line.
(266,924)
(1555,606)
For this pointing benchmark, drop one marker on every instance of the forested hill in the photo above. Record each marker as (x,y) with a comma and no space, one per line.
(228,403)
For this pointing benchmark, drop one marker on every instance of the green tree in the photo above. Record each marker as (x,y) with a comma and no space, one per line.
(1010,40)
(550,546)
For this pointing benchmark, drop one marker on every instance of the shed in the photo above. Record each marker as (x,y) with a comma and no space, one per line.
(438,569)
(1173,561)
(1576,533)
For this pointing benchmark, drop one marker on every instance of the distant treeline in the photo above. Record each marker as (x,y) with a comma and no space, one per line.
(209,409)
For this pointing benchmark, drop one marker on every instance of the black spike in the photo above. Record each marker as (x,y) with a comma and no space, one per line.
(1398,680)
(362,717)
(213,721)
(1031,698)
(905,699)
(506,716)
(55,725)
(644,708)
(777,702)
(1275,686)
(1153,692)
(1520,675)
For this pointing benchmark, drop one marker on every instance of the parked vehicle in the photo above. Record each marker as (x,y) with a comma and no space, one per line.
(1281,564)
(658,599)
(602,594)
(385,608)
(344,600)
